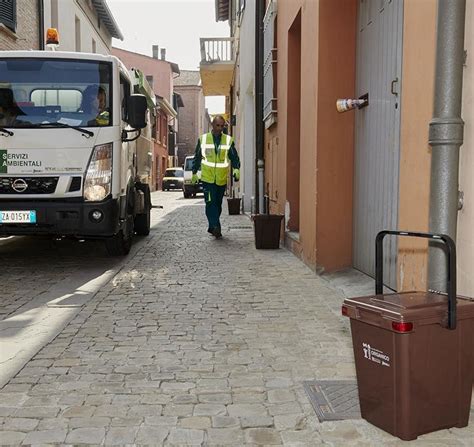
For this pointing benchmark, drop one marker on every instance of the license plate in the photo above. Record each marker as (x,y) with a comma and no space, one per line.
(7,217)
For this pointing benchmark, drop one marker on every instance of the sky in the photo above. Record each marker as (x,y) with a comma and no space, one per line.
(175,25)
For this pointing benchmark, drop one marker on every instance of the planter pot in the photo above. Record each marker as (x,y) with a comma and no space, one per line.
(233,205)
(267,229)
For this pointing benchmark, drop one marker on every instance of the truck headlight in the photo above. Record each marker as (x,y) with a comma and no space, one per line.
(98,183)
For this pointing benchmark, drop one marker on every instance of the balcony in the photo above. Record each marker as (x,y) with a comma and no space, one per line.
(217,65)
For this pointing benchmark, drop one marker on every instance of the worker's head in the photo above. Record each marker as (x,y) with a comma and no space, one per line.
(93,99)
(6,100)
(218,124)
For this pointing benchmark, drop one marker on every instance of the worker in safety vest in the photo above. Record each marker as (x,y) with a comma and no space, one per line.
(215,154)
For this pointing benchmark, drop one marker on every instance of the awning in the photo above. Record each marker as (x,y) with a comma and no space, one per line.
(222,10)
(107,18)
(166,106)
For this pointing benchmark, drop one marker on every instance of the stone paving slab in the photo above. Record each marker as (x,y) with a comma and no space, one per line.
(195,342)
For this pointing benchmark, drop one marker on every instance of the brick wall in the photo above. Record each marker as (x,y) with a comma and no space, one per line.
(190,119)
(26,36)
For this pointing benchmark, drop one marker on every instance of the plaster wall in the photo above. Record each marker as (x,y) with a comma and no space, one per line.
(190,119)
(159,69)
(415,153)
(465,238)
(91,28)
(335,134)
(245,104)
(324,231)
(26,35)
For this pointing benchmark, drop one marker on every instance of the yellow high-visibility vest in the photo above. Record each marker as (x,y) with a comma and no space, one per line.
(215,166)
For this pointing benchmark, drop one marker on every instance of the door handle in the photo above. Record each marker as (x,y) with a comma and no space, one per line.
(392,87)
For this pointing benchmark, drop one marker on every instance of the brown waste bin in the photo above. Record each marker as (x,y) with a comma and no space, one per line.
(233,205)
(413,353)
(267,229)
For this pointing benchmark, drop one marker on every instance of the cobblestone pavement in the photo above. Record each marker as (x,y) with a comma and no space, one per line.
(196,341)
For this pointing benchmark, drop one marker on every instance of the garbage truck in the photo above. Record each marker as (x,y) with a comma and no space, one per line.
(69,124)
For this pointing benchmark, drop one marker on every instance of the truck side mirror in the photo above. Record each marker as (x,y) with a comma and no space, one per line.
(137,107)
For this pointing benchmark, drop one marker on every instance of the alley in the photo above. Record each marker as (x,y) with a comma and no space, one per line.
(194,341)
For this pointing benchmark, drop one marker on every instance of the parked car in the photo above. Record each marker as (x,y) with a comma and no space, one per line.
(189,189)
(173,179)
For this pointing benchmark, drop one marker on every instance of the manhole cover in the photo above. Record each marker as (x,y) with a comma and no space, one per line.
(334,400)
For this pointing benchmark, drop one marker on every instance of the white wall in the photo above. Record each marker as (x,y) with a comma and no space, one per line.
(465,236)
(245,106)
(68,10)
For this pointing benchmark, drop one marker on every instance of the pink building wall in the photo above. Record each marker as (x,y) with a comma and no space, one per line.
(159,69)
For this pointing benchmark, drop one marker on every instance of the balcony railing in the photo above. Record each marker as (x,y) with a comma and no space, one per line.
(217,49)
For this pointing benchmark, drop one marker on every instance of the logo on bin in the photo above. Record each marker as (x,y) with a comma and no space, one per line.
(375,355)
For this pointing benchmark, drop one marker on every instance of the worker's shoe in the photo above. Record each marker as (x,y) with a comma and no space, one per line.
(216,232)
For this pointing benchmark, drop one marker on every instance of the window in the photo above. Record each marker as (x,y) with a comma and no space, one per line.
(54,14)
(153,123)
(188,164)
(39,91)
(269,65)
(164,129)
(124,95)
(78,34)
(68,100)
(8,13)
(149,79)
(170,172)
(158,126)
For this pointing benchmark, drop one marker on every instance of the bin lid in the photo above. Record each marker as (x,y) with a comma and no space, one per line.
(429,307)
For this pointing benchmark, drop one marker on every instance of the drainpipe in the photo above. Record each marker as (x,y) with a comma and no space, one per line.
(41,24)
(259,132)
(446,133)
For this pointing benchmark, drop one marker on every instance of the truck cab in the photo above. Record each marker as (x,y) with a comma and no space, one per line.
(68,155)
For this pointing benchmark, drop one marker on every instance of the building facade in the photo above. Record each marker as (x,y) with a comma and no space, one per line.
(160,75)
(83,25)
(193,119)
(243,97)
(21,25)
(340,178)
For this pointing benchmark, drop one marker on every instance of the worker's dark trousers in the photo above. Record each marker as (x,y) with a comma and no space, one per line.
(213,195)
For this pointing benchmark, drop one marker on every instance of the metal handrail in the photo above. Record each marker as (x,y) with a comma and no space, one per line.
(217,49)
(451,267)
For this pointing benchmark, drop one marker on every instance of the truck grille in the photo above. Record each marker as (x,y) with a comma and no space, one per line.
(28,185)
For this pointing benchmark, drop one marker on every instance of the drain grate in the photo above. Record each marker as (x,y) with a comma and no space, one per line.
(333,400)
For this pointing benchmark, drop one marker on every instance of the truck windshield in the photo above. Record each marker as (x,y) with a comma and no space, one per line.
(188,164)
(63,91)
(174,173)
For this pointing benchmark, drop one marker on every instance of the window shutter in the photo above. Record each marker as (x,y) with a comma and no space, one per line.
(270,58)
(8,13)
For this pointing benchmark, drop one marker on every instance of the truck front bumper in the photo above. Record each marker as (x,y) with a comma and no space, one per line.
(65,218)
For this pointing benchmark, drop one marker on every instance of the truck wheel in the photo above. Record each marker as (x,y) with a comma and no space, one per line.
(186,194)
(118,245)
(121,243)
